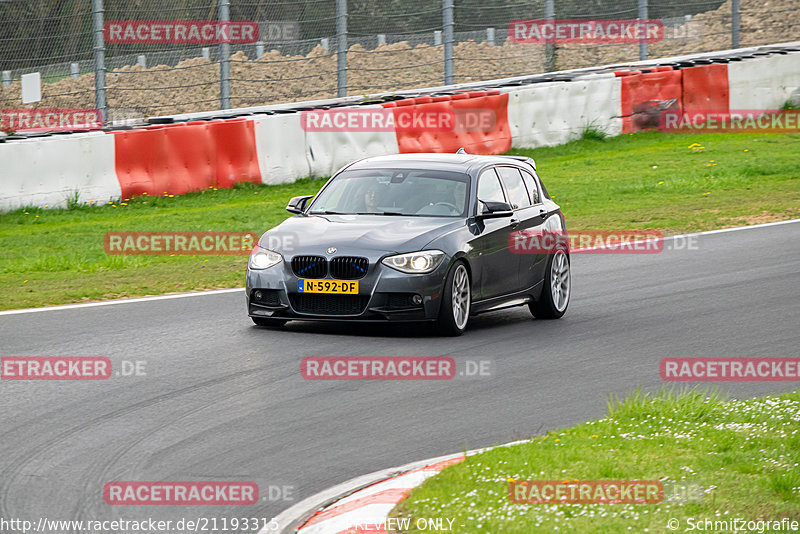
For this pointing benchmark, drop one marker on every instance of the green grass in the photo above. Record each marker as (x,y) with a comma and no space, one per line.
(654,180)
(648,180)
(57,256)
(593,133)
(716,458)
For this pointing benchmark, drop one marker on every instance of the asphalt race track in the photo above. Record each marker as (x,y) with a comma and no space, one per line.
(224,400)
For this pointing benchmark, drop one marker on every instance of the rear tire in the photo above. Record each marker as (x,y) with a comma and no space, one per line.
(456,301)
(553,302)
(266,321)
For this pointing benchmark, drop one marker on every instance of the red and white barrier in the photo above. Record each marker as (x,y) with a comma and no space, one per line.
(271,149)
(763,83)
(187,156)
(327,152)
(281,148)
(46,172)
(552,113)
(480,137)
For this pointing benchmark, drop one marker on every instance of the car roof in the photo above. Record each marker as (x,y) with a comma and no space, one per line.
(433,161)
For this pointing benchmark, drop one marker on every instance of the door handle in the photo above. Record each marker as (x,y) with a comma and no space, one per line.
(514,223)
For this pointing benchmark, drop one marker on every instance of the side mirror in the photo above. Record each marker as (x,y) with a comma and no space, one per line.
(495,210)
(298,204)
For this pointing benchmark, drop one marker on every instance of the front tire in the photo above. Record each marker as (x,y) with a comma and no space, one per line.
(266,321)
(456,301)
(553,302)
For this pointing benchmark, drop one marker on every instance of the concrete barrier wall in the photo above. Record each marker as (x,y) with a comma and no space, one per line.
(552,113)
(47,172)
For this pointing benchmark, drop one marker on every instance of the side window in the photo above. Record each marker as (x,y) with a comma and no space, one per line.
(532,189)
(489,189)
(517,194)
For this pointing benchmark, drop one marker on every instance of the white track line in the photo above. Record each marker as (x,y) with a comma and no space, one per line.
(123,301)
(234,290)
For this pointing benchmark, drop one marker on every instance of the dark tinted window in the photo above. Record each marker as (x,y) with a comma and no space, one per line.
(517,193)
(489,189)
(530,182)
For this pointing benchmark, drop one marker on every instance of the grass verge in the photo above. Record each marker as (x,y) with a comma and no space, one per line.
(717,459)
(671,182)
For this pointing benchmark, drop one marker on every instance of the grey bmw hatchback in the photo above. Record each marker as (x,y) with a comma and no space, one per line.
(412,237)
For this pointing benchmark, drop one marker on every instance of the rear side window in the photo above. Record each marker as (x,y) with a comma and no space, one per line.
(489,189)
(517,193)
(533,190)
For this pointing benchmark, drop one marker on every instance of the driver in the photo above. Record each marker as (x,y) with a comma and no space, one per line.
(371,198)
(453,201)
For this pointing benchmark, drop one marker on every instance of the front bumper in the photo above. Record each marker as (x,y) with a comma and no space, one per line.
(384,295)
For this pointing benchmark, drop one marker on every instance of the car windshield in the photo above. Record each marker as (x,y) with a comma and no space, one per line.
(412,192)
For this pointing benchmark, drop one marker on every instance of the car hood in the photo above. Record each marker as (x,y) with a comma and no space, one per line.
(356,234)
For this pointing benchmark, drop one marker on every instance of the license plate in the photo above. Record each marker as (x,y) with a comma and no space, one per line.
(338,287)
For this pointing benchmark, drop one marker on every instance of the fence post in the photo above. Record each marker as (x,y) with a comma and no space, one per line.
(490,36)
(74,70)
(549,48)
(447,19)
(341,48)
(6,78)
(224,60)
(642,16)
(735,19)
(99,59)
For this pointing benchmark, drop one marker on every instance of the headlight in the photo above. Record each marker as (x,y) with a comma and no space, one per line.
(415,262)
(262,258)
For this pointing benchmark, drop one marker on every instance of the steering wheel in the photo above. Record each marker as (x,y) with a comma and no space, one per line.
(453,207)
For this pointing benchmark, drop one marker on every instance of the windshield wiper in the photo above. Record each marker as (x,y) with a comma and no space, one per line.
(393,213)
